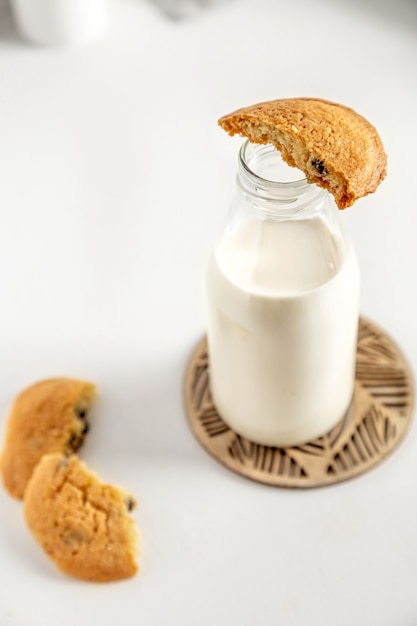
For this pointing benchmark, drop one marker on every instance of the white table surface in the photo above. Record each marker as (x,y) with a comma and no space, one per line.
(115,180)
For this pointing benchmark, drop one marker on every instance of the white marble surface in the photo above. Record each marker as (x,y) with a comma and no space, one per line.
(115,180)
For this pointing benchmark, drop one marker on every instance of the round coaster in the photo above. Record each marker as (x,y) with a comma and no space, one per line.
(372,428)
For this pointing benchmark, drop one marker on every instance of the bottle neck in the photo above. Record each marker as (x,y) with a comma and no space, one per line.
(272,187)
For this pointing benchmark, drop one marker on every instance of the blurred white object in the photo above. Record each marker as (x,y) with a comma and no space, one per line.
(179,9)
(60,22)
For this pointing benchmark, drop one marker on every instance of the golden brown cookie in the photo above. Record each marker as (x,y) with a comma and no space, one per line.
(334,146)
(83,525)
(49,416)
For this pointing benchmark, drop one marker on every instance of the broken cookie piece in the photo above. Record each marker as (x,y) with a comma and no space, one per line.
(82,524)
(50,416)
(334,146)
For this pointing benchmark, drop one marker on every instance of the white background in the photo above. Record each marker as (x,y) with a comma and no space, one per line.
(114,181)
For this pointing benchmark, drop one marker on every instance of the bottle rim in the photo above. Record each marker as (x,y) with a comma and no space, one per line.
(297,194)
(257,152)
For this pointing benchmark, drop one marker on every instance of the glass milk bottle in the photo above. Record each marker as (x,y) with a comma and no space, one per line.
(283,306)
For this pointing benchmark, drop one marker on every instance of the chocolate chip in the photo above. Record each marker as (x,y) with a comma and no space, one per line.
(75,441)
(319,165)
(81,414)
(130,504)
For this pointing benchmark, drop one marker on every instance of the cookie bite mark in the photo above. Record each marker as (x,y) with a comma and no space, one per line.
(334,146)
(82,524)
(50,416)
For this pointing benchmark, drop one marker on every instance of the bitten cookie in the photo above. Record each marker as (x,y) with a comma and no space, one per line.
(49,416)
(334,146)
(83,525)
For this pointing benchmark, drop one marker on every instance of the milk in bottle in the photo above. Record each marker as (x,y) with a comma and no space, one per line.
(282,302)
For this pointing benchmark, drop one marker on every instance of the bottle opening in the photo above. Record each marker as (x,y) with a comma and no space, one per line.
(265,162)
(270,182)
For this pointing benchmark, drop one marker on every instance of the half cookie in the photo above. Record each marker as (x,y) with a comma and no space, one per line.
(334,146)
(82,524)
(49,416)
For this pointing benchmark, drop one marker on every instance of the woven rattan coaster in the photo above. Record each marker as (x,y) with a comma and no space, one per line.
(376,422)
